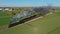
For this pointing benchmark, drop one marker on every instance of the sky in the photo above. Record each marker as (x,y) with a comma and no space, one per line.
(28,3)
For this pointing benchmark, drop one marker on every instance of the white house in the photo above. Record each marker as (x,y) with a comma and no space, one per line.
(1,9)
(6,9)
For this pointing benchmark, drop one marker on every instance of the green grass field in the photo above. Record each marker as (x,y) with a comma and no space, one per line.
(48,25)
(4,18)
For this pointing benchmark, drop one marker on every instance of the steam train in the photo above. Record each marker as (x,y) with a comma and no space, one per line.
(23,15)
(26,14)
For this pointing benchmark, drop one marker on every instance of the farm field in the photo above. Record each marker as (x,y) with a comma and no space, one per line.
(4,18)
(47,25)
